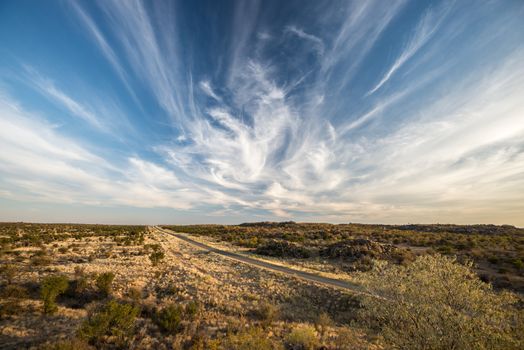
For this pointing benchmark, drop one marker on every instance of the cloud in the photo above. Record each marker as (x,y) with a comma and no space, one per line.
(40,164)
(316,41)
(425,30)
(258,126)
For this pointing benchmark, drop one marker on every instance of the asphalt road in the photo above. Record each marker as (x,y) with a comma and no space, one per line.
(311,277)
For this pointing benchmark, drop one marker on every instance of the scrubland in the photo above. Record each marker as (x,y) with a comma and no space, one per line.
(133,287)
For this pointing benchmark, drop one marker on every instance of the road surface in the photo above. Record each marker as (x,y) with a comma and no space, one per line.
(311,277)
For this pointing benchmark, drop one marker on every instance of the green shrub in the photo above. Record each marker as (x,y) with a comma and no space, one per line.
(156,257)
(437,303)
(169,319)
(280,248)
(302,338)
(51,288)
(104,283)
(111,319)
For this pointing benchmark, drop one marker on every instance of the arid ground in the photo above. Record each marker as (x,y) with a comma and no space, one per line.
(94,286)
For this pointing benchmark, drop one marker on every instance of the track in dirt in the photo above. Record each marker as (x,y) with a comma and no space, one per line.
(311,277)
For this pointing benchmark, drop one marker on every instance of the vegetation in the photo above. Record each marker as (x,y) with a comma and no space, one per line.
(52,287)
(437,303)
(156,257)
(104,283)
(497,251)
(116,298)
(302,338)
(169,319)
(253,338)
(111,319)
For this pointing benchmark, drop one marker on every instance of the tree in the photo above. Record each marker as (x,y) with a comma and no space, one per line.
(51,288)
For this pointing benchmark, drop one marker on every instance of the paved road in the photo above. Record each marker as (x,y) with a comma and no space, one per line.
(269,266)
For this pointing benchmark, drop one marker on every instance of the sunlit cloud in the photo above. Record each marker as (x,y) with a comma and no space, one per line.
(398,113)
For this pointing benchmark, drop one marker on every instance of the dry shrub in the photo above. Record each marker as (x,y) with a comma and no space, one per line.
(437,303)
(302,337)
(267,313)
(9,272)
(323,323)
(253,338)
(72,344)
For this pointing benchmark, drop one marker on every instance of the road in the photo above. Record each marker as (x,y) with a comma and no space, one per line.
(311,277)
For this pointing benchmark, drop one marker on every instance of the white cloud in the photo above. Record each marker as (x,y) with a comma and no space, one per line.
(426,28)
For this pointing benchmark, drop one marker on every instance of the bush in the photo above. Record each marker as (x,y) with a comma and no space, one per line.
(252,339)
(169,319)
(302,338)
(14,291)
(279,248)
(9,273)
(436,303)
(51,288)
(323,323)
(156,257)
(192,309)
(267,312)
(12,296)
(104,283)
(111,319)
(73,344)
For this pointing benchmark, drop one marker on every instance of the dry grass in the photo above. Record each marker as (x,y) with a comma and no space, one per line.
(232,297)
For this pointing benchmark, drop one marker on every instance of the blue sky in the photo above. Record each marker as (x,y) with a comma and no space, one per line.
(232,111)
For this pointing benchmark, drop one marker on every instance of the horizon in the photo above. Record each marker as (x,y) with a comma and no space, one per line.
(132,112)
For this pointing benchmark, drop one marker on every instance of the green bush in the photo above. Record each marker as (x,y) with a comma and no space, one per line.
(169,319)
(104,283)
(156,257)
(51,288)
(111,319)
(302,338)
(437,303)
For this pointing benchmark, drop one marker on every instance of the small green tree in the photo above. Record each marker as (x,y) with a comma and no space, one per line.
(111,319)
(51,288)
(156,257)
(104,283)
(437,303)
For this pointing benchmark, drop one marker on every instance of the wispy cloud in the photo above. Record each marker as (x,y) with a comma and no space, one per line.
(426,28)
(316,41)
(285,117)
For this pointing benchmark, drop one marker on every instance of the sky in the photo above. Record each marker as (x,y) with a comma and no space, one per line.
(231,111)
